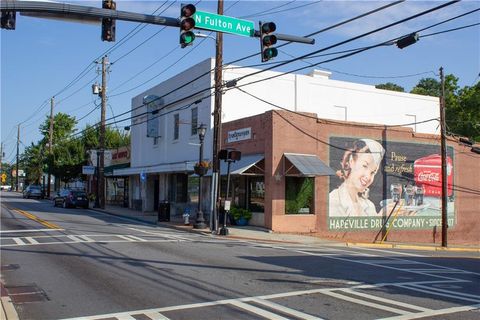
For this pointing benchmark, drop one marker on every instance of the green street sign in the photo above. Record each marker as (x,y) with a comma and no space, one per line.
(216,22)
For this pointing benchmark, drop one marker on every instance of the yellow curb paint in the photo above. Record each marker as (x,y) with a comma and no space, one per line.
(37,219)
(411,247)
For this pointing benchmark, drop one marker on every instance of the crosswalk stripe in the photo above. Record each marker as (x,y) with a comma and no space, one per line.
(257,311)
(19,241)
(125,317)
(156,316)
(380,299)
(126,238)
(137,238)
(31,240)
(87,239)
(74,238)
(286,310)
(365,303)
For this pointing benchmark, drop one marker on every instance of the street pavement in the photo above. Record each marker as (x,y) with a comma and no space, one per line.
(263,234)
(119,264)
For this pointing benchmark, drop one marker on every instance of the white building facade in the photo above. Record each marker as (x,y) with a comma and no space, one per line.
(165,143)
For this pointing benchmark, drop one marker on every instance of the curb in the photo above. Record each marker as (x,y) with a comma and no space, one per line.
(410,247)
(8,311)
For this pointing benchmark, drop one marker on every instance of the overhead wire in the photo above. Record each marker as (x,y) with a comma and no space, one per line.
(354,38)
(314,33)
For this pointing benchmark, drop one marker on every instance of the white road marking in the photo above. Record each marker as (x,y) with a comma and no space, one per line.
(286,310)
(365,303)
(391,261)
(30,230)
(74,238)
(86,238)
(31,240)
(389,301)
(390,251)
(435,312)
(156,233)
(125,317)
(137,238)
(434,292)
(257,311)
(18,241)
(446,291)
(156,316)
(264,297)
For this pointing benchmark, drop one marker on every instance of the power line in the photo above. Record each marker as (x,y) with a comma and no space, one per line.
(317,32)
(352,39)
(450,30)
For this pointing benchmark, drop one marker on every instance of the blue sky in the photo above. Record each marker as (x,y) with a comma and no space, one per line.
(41,57)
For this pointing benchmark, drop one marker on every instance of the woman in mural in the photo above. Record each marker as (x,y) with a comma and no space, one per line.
(359,166)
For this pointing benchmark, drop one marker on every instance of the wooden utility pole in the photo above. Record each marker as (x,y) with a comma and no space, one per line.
(50,147)
(101,139)
(18,150)
(444,160)
(217,123)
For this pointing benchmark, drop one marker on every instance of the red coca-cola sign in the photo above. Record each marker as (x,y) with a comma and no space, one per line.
(428,173)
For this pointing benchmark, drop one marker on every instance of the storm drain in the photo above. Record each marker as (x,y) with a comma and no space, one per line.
(26,294)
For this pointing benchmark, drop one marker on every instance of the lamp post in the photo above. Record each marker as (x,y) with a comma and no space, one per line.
(200,221)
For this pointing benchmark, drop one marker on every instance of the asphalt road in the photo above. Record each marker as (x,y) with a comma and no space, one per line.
(74,263)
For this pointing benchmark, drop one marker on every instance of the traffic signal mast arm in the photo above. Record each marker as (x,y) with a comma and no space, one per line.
(81,12)
(290,38)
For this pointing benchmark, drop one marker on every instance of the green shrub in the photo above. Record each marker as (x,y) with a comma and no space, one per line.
(238,213)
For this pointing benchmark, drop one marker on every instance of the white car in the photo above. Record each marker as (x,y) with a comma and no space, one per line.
(6,188)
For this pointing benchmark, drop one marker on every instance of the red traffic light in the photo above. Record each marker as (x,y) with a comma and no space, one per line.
(188,10)
(268,27)
(269,40)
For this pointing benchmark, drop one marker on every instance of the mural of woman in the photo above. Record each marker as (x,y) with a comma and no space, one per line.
(359,166)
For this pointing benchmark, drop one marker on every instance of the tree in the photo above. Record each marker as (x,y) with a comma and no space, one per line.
(390,86)
(32,160)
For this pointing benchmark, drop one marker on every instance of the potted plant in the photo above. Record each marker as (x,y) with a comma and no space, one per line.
(201,168)
(241,216)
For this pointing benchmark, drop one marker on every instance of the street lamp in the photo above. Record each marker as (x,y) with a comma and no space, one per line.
(200,221)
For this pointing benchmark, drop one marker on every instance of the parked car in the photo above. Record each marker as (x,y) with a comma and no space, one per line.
(33,191)
(5,188)
(69,198)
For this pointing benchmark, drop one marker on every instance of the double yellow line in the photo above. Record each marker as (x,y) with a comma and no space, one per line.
(37,219)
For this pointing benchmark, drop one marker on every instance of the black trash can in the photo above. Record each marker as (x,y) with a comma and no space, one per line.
(164,211)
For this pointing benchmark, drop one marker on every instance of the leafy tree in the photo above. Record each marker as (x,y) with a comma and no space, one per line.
(390,86)
(32,160)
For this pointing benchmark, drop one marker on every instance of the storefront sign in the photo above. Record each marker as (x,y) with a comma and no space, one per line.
(396,180)
(88,170)
(239,135)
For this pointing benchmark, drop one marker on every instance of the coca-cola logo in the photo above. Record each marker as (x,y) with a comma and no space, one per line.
(428,176)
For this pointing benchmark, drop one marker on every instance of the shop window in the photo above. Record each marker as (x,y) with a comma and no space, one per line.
(299,195)
(178,188)
(256,194)
(176,126)
(194,121)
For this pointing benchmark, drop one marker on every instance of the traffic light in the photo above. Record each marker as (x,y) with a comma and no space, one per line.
(187,23)
(267,40)
(8,20)
(108,24)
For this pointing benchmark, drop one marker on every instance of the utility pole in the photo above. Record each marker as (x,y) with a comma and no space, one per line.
(50,147)
(101,139)
(18,149)
(444,159)
(217,123)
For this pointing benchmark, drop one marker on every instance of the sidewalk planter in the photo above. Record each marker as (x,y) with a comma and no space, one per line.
(241,222)
(201,171)
(241,216)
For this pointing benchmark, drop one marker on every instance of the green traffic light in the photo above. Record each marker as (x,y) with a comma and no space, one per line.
(270,53)
(187,37)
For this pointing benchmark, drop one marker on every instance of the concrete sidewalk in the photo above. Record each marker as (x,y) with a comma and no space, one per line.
(263,234)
